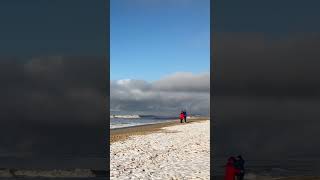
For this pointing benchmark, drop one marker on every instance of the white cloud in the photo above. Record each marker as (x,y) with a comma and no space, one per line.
(166,96)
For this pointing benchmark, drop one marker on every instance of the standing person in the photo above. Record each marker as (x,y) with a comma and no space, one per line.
(181,116)
(185,115)
(231,171)
(239,164)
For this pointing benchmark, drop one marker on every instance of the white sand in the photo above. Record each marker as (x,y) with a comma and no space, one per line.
(180,152)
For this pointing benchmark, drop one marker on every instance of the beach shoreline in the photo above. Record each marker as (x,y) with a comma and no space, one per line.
(123,133)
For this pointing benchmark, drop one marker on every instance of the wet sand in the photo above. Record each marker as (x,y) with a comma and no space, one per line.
(121,134)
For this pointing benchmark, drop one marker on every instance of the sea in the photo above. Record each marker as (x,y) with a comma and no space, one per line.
(120,121)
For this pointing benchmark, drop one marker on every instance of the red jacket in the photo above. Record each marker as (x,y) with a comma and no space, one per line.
(181,116)
(231,172)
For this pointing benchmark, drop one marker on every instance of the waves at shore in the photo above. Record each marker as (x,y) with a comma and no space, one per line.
(135,116)
(120,121)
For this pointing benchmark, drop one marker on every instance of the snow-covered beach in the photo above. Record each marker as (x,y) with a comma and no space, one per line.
(181,151)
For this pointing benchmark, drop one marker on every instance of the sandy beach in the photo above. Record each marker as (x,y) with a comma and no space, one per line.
(120,134)
(161,151)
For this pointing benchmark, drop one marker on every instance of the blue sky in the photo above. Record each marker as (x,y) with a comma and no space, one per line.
(151,39)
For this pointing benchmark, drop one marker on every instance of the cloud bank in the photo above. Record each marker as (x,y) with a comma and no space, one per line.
(166,96)
(267,95)
(52,105)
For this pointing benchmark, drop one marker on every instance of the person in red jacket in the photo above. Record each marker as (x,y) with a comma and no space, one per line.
(231,171)
(181,116)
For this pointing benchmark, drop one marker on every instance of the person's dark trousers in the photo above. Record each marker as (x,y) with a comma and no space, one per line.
(240,176)
(180,120)
(185,119)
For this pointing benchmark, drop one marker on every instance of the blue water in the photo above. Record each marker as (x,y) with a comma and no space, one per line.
(122,122)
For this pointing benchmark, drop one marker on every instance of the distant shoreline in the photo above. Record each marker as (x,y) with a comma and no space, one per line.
(120,134)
